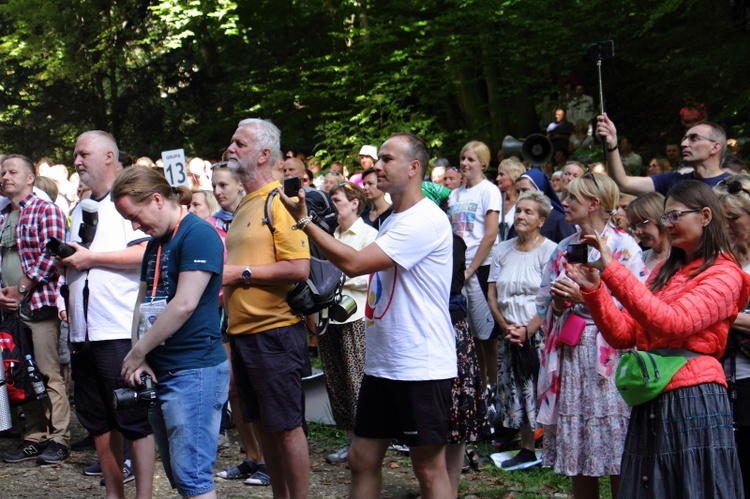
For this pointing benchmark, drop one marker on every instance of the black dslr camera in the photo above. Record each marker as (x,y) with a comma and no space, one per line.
(144,395)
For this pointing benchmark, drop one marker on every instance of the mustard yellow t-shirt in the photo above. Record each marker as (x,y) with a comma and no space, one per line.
(249,241)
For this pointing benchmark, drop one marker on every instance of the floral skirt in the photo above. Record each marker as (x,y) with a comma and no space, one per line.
(342,353)
(517,374)
(468,412)
(589,436)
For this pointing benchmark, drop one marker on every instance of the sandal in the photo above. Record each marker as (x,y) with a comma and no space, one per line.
(243,470)
(259,478)
(476,459)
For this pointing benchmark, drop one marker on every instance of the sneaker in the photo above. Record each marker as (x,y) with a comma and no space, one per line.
(524,459)
(54,453)
(399,447)
(260,477)
(224,441)
(243,470)
(93,470)
(86,443)
(340,456)
(26,451)
(127,474)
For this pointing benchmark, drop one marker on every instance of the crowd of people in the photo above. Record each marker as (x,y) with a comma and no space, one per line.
(500,301)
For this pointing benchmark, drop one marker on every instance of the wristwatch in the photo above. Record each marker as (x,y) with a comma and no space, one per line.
(247,274)
(22,289)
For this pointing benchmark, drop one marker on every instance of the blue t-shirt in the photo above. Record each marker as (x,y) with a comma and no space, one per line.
(665,181)
(196,246)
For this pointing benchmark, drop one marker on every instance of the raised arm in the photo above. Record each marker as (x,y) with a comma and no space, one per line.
(637,186)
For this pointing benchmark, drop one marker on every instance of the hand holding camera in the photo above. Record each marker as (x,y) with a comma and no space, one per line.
(144,395)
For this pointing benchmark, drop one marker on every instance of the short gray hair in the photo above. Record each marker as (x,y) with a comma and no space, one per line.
(103,136)
(542,201)
(267,135)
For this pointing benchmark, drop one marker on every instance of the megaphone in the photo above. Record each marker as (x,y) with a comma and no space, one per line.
(535,149)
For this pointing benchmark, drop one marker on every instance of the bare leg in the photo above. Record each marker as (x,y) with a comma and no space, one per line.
(585,487)
(287,461)
(248,435)
(365,457)
(454,463)
(489,348)
(427,461)
(109,451)
(527,437)
(143,451)
(614,485)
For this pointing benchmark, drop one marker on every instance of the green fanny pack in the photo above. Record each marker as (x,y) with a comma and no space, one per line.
(643,374)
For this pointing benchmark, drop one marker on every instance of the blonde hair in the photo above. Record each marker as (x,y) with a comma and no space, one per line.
(596,186)
(513,167)
(480,149)
(739,200)
(211,202)
(140,183)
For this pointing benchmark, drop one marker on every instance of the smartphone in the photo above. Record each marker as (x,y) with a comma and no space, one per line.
(292,185)
(577,253)
(600,51)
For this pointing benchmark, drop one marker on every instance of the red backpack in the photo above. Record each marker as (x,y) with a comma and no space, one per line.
(15,342)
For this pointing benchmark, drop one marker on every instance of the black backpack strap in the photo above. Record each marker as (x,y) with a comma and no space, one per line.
(267,213)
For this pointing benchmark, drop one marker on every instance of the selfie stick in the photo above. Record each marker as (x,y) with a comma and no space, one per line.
(599,59)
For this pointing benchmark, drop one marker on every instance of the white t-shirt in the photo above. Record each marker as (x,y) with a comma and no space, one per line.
(518,275)
(112,292)
(467,211)
(408,328)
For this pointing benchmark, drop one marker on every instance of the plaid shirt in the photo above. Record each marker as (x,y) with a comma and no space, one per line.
(38,220)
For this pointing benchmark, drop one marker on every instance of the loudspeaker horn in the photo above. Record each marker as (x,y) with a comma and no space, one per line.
(535,149)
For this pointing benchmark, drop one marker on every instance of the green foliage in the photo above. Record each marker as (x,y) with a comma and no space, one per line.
(337,74)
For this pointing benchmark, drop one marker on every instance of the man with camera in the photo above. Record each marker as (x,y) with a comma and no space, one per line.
(410,360)
(267,337)
(103,275)
(29,280)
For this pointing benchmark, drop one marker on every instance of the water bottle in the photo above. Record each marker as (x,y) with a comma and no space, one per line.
(36,379)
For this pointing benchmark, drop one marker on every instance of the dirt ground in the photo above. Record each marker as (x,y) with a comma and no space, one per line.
(28,480)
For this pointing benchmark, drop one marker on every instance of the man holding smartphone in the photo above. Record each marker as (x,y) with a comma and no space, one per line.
(411,350)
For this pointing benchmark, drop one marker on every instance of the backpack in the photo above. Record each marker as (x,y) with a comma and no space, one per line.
(15,342)
(323,285)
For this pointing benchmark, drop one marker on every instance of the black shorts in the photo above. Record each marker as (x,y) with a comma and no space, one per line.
(268,369)
(415,412)
(96,372)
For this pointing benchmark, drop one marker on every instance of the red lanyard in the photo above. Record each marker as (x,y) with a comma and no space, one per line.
(157,270)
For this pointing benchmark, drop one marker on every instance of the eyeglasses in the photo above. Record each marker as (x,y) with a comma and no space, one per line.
(673,216)
(734,187)
(222,164)
(454,168)
(694,137)
(638,226)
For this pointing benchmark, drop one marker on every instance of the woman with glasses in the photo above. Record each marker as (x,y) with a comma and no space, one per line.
(681,443)
(734,196)
(644,216)
(342,347)
(583,416)
(474,211)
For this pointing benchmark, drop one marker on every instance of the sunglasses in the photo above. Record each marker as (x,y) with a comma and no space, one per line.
(734,187)
(673,216)
(694,137)
(454,168)
(346,185)
(221,164)
(592,177)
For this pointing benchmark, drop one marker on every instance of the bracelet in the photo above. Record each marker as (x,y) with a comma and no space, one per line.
(526,328)
(302,223)
(612,149)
